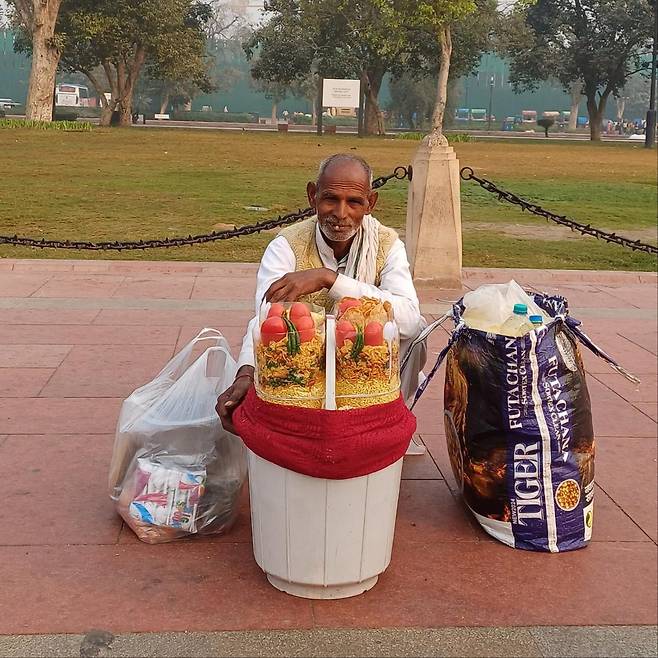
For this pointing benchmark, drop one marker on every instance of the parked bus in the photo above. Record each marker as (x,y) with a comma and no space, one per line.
(73,95)
(478,115)
(462,114)
(528,116)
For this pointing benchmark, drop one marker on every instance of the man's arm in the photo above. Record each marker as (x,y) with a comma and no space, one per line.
(396,286)
(277,261)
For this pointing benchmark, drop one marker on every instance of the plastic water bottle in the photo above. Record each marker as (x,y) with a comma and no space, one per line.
(537,321)
(517,324)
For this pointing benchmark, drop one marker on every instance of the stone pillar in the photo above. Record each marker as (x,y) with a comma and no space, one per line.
(434,229)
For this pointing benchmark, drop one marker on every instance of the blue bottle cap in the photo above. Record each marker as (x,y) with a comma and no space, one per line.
(536,319)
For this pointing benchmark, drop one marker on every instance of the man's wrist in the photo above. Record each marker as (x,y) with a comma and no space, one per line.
(245,371)
(329,278)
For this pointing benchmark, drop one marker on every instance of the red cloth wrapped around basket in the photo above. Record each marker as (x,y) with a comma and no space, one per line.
(335,445)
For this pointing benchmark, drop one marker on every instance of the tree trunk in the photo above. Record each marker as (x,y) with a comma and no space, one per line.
(374,120)
(274,112)
(106,116)
(126,112)
(106,109)
(314,112)
(621,106)
(165,103)
(576,94)
(596,112)
(45,58)
(126,78)
(445,41)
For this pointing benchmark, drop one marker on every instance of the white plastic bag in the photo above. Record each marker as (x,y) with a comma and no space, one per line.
(175,471)
(487,307)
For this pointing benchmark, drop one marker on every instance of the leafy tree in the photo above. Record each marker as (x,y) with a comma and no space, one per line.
(599,43)
(362,39)
(113,41)
(332,39)
(37,20)
(470,35)
(433,21)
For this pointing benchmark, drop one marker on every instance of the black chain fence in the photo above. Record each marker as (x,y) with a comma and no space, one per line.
(400,173)
(467,173)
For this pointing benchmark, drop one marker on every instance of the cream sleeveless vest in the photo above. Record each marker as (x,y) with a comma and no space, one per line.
(301,238)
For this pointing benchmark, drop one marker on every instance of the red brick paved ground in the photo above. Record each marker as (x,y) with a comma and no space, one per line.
(77,337)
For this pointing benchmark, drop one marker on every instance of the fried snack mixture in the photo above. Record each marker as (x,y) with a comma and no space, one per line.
(294,379)
(567,495)
(367,365)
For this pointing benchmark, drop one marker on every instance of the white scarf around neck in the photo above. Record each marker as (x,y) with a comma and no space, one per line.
(362,259)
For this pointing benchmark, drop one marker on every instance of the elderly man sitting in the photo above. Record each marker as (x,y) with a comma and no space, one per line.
(342,251)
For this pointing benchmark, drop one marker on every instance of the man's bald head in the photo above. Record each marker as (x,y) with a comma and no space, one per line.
(351,164)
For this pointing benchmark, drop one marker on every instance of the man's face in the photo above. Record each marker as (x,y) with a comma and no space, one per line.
(341,198)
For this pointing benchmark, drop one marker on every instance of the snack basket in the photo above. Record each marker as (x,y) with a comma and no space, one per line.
(289,342)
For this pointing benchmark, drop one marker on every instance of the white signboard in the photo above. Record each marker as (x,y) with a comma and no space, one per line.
(340,93)
(66,99)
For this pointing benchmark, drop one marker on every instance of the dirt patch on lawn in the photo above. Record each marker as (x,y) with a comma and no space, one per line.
(552,232)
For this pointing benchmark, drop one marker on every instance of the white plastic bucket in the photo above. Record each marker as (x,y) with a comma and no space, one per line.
(322,539)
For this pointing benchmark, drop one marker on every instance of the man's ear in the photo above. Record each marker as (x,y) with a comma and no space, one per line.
(372,200)
(311,190)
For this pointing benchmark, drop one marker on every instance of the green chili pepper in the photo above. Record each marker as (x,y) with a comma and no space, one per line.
(293,337)
(357,346)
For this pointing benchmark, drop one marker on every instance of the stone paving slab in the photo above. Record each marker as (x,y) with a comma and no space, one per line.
(544,642)
(77,336)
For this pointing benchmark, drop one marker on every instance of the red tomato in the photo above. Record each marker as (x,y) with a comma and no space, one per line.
(347,303)
(276,310)
(272,330)
(373,334)
(305,327)
(299,310)
(344,331)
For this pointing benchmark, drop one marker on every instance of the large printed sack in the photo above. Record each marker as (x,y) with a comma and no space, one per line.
(519,429)
(175,471)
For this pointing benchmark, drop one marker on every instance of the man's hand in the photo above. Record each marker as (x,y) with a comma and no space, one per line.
(290,287)
(231,398)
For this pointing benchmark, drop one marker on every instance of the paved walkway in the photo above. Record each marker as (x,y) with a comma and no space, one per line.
(76,337)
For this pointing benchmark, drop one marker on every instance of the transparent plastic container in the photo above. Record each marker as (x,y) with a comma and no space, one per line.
(289,342)
(367,347)
(518,323)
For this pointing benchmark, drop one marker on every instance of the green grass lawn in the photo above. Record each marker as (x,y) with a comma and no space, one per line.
(149,183)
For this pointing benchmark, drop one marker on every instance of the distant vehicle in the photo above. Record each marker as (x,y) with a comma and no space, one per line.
(462,114)
(8,103)
(73,95)
(528,116)
(551,115)
(478,115)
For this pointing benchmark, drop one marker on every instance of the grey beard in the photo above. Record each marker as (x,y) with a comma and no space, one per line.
(336,237)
